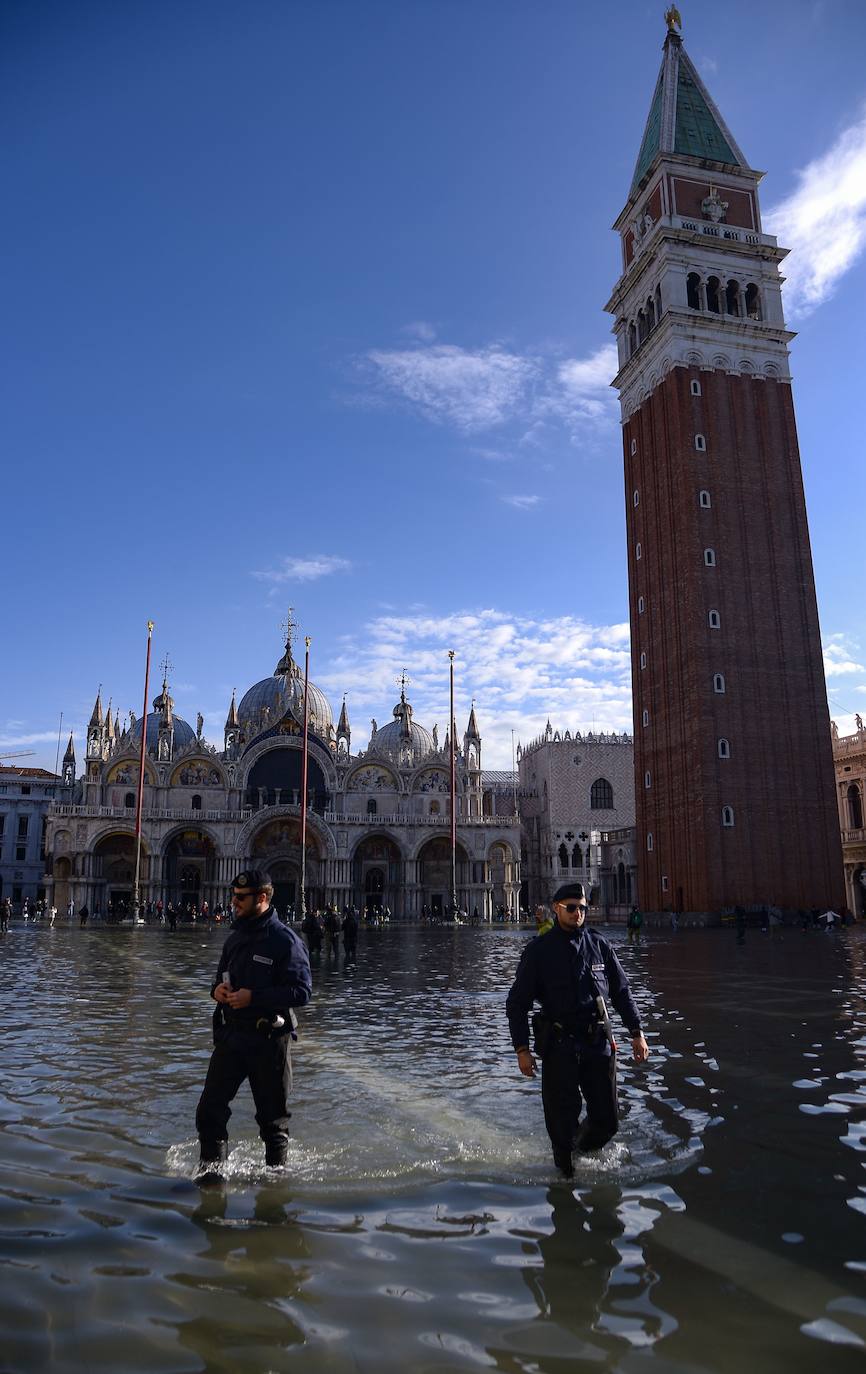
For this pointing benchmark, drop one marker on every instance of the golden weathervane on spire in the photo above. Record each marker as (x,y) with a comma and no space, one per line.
(673,19)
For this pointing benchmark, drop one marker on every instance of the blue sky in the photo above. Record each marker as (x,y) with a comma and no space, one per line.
(302,304)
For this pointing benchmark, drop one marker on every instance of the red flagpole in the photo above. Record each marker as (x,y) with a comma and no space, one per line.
(453,734)
(304,762)
(139,798)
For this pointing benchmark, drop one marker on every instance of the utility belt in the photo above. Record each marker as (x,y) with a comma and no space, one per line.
(273,1027)
(547,1032)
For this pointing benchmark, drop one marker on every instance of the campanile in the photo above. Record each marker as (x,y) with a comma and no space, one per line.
(734,780)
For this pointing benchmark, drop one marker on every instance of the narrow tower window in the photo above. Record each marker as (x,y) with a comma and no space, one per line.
(645,717)
(693,296)
(713,289)
(633,449)
(640,605)
(632,339)
(658,303)
(715,620)
(643,660)
(649,840)
(753,301)
(727,816)
(647,779)
(635,497)
(704,500)
(719,683)
(637,551)
(696,387)
(732,298)
(724,749)
(700,443)
(710,557)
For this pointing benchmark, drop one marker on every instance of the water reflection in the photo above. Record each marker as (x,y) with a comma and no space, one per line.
(418,1224)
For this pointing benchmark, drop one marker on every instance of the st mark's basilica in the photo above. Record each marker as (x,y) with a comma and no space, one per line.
(378,820)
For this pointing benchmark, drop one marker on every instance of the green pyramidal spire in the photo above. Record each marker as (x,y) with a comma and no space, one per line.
(683,118)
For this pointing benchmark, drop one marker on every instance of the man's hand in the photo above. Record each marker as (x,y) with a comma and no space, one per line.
(640,1049)
(221,992)
(526,1063)
(242,998)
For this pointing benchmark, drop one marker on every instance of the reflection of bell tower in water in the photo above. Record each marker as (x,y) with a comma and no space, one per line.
(733,766)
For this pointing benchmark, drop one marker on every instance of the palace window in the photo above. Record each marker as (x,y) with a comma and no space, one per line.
(727,816)
(705,501)
(576,857)
(129,800)
(724,749)
(715,620)
(196,803)
(700,443)
(710,557)
(23,827)
(855,807)
(719,683)
(601,795)
(563,858)
(372,808)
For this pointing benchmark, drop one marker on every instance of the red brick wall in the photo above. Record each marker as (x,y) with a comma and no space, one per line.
(785,846)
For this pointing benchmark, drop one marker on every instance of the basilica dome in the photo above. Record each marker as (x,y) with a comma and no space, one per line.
(403,735)
(282,691)
(183,732)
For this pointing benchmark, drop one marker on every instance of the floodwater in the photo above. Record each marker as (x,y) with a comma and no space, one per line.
(420,1225)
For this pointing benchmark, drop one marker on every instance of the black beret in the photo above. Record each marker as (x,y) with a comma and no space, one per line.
(570,892)
(256,878)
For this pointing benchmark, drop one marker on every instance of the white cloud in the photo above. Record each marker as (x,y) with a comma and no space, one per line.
(840,656)
(520,670)
(305,568)
(471,390)
(521,502)
(485,388)
(420,329)
(823,222)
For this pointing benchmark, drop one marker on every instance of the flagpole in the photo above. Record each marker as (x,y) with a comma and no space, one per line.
(139,799)
(453,780)
(304,761)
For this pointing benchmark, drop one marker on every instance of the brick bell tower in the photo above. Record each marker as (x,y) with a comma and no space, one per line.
(734,778)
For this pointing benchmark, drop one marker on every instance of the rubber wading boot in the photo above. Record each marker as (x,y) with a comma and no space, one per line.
(210,1168)
(276,1153)
(563,1161)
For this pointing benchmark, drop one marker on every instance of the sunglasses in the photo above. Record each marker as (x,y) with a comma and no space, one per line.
(572,907)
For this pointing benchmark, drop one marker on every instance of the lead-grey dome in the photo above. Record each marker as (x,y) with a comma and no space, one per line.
(403,735)
(282,691)
(183,732)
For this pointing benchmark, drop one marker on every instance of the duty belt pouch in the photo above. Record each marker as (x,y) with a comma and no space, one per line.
(542,1030)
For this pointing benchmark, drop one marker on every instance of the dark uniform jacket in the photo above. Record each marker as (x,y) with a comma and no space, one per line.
(565,972)
(272,961)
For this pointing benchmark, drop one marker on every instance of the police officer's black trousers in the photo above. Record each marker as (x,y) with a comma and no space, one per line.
(571,1074)
(268,1065)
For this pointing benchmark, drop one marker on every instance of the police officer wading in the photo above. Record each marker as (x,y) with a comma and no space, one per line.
(568,970)
(263,973)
